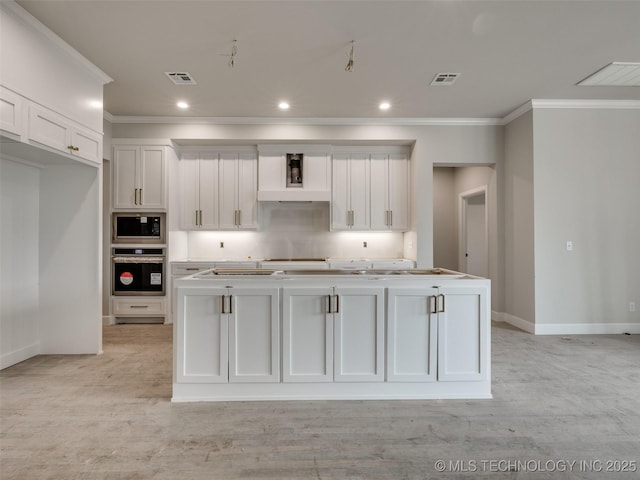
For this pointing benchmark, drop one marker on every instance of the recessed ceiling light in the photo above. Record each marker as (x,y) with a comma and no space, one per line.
(384,106)
(616,74)
(182,105)
(283,106)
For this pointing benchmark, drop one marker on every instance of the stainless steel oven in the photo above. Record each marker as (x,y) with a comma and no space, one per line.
(135,228)
(138,271)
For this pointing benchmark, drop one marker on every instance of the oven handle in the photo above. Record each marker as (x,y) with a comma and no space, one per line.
(138,259)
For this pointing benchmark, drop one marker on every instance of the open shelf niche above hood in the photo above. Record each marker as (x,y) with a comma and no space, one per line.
(294,173)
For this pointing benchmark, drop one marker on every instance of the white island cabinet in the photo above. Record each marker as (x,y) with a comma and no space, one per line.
(341,334)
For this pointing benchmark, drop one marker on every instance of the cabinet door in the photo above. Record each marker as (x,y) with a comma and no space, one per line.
(359,335)
(398,193)
(379,192)
(189,191)
(49,128)
(247,191)
(227,188)
(125,168)
(254,346)
(10,112)
(152,177)
(208,191)
(411,335)
(340,208)
(359,191)
(307,350)
(202,337)
(88,144)
(463,334)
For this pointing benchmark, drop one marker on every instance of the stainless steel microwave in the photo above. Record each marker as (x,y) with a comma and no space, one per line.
(137,228)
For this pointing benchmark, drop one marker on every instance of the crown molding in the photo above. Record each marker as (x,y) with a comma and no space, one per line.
(34,23)
(107,116)
(331,121)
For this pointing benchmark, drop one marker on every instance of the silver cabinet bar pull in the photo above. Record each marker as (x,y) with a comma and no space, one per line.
(223,307)
(230,303)
(139,306)
(433,304)
(337,304)
(390,218)
(441,297)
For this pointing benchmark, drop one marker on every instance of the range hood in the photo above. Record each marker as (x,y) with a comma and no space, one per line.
(294,173)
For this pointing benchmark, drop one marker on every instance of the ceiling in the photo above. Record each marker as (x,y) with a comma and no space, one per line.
(507,52)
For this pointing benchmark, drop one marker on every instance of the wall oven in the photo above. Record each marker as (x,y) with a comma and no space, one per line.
(137,228)
(138,271)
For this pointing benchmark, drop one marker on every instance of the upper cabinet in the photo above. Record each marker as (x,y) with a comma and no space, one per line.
(11,106)
(370,191)
(139,177)
(218,190)
(350,205)
(294,173)
(54,131)
(389,192)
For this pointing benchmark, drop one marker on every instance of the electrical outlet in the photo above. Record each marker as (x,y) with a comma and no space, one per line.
(569,246)
(632,306)
(364,244)
(221,244)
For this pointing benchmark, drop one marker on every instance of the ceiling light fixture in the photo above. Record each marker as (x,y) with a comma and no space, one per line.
(350,65)
(232,56)
(182,105)
(384,106)
(283,106)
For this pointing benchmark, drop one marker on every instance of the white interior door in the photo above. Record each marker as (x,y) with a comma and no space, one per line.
(474,234)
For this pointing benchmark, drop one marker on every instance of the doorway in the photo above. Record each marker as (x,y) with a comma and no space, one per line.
(474,232)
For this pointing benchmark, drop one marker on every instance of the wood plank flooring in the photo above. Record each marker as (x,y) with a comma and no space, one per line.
(556,399)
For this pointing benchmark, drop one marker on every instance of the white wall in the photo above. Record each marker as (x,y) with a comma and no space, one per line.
(70,259)
(445,228)
(519,271)
(586,176)
(19,260)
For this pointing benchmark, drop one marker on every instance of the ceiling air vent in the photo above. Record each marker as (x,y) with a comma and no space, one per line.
(180,78)
(445,79)
(616,74)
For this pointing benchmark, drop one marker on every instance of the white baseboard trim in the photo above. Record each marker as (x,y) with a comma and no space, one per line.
(108,320)
(566,328)
(517,322)
(20,355)
(587,328)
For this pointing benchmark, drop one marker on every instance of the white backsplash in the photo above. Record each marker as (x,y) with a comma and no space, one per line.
(293,230)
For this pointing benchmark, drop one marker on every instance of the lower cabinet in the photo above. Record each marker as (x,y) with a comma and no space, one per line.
(228,335)
(437,334)
(333,334)
(406,339)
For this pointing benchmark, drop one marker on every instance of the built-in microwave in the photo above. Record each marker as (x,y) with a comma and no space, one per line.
(135,228)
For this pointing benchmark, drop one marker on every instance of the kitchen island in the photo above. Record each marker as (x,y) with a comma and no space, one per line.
(263,334)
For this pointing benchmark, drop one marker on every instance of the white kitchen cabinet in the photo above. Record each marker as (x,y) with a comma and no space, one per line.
(412,338)
(238,191)
(138,306)
(307,337)
(11,108)
(229,335)
(254,335)
(139,177)
(424,341)
(52,130)
(218,191)
(199,191)
(350,201)
(463,357)
(389,192)
(202,345)
(359,335)
(333,334)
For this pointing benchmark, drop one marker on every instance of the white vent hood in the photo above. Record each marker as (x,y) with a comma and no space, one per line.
(294,173)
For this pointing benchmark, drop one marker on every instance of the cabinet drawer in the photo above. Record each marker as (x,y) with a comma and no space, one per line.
(138,306)
(190,269)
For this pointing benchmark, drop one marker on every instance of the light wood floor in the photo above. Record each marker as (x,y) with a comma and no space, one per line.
(556,399)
